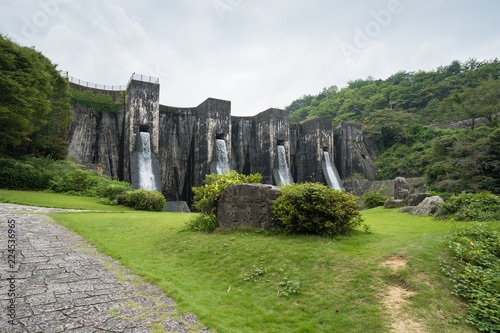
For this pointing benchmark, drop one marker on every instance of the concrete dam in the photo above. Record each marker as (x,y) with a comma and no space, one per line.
(180,146)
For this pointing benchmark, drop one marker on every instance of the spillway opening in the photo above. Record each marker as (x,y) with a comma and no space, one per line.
(220,164)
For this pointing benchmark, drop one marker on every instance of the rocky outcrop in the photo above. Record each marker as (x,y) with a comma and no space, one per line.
(247,205)
(393,203)
(429,206)
(416,198)
(406,209)
(401,188)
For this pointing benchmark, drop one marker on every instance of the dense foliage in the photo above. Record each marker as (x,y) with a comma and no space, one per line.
(476,274)
(207,197)
(312,208)
(483,206)
(406,98)
(453,161)
(400,114)
(34,103)
(146,200)
(64,176)
(372,199)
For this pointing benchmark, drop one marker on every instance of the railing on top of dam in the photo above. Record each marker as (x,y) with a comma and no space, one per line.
(137,77)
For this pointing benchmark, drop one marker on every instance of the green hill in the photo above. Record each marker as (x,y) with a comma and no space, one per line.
(402,114)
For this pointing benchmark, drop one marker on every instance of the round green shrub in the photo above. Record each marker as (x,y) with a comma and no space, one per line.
(372,199)
(312,208)
(146,200)
(482,206)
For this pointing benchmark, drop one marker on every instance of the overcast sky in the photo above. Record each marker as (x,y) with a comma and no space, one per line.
(255,53)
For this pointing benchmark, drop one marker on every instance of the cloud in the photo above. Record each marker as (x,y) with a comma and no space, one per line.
(261,54)
(440,50)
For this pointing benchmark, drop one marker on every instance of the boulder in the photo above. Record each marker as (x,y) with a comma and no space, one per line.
(416,199)
(429,206)
(401,188)
(393,203)
(247,205)
(406,209)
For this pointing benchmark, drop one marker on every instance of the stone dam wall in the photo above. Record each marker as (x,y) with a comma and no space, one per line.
(183,141)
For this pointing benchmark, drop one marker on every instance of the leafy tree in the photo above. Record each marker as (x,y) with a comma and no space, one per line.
(34,103)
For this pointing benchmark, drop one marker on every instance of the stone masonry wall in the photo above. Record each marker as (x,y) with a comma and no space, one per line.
(142,113)
(308,142)
(95,138)
(351,155)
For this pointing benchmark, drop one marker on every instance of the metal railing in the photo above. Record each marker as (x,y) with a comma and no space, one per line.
(144,78)
(136,77)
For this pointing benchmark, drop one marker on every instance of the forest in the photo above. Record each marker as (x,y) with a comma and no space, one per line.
(442,124)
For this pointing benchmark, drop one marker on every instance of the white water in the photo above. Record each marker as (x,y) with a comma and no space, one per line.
(330,172)
(221,159)
(283,172)
(145,163)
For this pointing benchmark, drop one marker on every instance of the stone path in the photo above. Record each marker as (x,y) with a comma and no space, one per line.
(61,283)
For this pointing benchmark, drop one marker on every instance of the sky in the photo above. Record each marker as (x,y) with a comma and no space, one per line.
(258,54)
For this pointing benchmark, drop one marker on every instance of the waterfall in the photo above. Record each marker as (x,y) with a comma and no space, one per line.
(221,160)
(282,174)
(330,172)
(146,179)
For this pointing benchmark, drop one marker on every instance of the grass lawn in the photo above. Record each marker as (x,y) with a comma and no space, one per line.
(56,200)
(236,281)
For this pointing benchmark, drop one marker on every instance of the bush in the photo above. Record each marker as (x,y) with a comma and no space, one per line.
(22,176)
(372,199)
(146,200)
(483,206)
(476,273)
(206,197)
(203,222)
(313,208)
(112,189)
(78,182)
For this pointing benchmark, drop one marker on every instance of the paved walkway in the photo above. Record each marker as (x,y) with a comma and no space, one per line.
(61,283)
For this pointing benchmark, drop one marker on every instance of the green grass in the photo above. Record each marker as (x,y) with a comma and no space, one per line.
(341,279)
(56,200)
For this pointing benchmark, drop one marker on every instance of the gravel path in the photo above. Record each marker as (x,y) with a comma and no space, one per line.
(61,283)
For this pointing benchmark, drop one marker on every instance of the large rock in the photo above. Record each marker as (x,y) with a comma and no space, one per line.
(429,206)
(247,205)
(416,198)
(393,203)
(401,188)
(406,209)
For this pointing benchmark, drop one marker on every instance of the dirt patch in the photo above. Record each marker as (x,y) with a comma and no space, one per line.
(396,262)
(396,299)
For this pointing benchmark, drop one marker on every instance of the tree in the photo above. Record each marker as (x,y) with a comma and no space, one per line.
(34,103)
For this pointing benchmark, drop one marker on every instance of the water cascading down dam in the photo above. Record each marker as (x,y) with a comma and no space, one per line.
(221,159)
(145,170)
(282,174)
(330,172)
